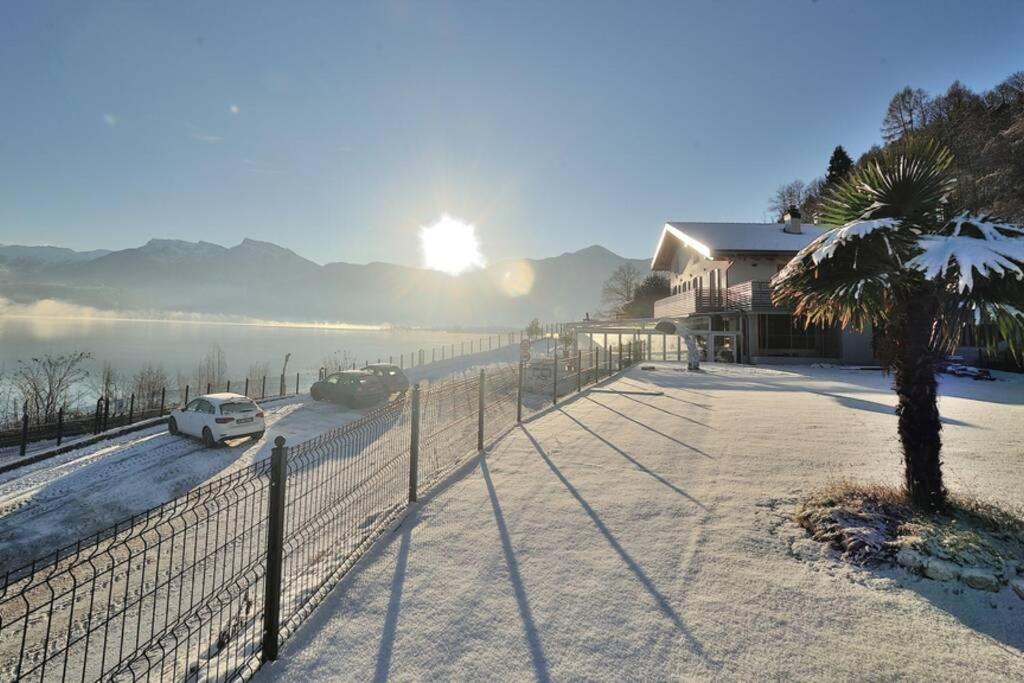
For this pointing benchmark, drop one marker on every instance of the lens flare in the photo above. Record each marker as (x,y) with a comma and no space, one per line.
(450,245)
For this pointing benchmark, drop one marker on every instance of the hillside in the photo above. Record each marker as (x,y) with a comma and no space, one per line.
(263,280)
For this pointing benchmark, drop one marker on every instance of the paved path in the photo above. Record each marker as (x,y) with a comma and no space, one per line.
(641,532)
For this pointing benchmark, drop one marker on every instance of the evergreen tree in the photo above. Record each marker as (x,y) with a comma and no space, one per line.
(839,164)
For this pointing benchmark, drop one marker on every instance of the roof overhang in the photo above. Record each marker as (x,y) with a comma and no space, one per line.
(670,238)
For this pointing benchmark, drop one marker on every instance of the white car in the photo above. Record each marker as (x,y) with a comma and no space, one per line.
(216,417)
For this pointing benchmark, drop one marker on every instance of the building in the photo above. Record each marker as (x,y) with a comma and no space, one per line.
(719,274)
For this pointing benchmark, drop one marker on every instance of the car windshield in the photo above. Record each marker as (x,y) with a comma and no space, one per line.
(237,407)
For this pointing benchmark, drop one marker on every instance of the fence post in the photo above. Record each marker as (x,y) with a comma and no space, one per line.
(480,416)
(106,412)
(163,399)
(609,361)
(131,410)
(275,550)
(282,387)
(296,384)
(263,390)
(60,425)
(554,383)
(186,396)
(228,389)
(99,411)
(579,370)
(519,394)
(414,444)
(24,429)
(246,386)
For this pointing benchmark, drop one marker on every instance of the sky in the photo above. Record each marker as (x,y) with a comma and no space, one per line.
(337,129)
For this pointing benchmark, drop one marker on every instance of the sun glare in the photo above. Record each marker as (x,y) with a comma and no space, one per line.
(450,245)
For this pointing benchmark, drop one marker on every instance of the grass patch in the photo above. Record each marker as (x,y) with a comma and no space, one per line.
(871,523)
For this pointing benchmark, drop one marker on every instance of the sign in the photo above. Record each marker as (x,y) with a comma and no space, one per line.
(524,356)
(524,346)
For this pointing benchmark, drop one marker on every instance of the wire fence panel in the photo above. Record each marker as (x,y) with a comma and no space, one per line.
(179,592)
(170,593)
(343,488)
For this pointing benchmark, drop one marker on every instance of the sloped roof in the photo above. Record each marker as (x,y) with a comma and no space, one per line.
(709,239)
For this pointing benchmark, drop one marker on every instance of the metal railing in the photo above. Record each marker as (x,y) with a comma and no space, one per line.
(751,296)
(207,586)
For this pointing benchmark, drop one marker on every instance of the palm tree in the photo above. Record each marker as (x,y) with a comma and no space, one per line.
(904,263)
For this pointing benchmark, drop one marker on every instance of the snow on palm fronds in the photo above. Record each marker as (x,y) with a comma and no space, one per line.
(971,244)
(893,243)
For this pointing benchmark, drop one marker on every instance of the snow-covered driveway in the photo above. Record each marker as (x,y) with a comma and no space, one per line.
(55,502)
(640,532)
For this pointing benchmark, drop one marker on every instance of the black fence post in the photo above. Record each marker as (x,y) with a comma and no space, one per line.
(99,412)
(229,387)
(263,391)
(106,412)
(131,410)
(579,370)
(275,550)
(163,399)
(554,375)
(480,416)
(519,394)
(414,444)
(246,386)
(296,384)
(186,396)
(24,429)
(60,425)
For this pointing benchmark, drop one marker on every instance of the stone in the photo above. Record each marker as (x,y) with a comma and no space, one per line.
(980,579)
(940,570)
(1017,583)
(909,558)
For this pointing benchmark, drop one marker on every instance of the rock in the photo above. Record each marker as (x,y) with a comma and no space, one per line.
(980,579)
(1017,583)
(940,570)
(909,558)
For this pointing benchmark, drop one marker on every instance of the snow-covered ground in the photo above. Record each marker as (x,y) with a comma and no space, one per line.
(640,531)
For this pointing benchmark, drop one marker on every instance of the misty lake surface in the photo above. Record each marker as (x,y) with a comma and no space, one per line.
(179,346)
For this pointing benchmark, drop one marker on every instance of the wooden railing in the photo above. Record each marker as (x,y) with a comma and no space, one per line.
(746,296)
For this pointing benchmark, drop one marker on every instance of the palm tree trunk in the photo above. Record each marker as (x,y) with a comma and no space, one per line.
(918,410)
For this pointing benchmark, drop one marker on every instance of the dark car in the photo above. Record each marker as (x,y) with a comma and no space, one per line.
(392,376)
(354,388)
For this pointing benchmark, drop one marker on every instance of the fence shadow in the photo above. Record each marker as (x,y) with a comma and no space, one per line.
(662,602)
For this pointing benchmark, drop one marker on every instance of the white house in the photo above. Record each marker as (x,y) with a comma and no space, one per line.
(719,275)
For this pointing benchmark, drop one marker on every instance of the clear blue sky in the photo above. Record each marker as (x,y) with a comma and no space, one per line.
(336,128)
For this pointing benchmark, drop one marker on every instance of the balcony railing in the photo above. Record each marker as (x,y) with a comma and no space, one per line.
(752,296)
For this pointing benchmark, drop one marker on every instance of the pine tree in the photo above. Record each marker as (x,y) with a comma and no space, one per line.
(839,164)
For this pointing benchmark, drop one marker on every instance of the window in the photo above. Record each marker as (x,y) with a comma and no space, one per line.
(193,405)
(237,407)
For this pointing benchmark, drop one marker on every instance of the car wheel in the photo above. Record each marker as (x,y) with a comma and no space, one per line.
(315,394)
(208,438)
(172,426)
(257,436)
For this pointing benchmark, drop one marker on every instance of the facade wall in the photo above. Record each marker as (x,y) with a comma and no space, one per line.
(753,268)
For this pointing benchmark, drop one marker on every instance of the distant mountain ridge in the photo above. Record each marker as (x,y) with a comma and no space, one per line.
(264,280)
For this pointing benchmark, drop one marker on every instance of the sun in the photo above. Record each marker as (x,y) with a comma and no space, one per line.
(450,245)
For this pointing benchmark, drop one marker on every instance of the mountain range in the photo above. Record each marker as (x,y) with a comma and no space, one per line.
(262,280)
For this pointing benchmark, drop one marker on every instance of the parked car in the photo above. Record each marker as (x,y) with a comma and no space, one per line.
(353,388)
(216,417)
(392,376)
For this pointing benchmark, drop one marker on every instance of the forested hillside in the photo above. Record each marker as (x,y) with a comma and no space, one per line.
(984,131)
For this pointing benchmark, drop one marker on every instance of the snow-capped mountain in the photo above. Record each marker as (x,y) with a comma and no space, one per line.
(263,280)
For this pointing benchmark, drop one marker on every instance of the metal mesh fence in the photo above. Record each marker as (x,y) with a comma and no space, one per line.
(187,589)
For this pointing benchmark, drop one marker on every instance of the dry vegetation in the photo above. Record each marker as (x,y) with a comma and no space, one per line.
(974,541)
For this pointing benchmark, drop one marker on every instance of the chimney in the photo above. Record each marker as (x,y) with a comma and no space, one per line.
(791,221)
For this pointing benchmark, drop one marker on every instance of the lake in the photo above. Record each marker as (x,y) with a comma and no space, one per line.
(179,346)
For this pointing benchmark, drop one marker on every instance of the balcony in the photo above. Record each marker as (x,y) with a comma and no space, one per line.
(751,296)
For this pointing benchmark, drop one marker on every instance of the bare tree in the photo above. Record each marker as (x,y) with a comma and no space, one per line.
(148,384)
(790,194)
(47,383)
(909,110)
(211,371)
(620,288)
